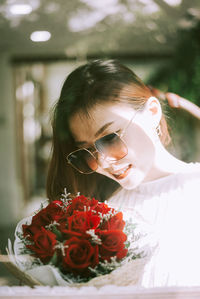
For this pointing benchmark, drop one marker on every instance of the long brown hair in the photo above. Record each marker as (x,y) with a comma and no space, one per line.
(94,82)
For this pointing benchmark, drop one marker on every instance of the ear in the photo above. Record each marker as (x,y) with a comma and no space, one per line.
(153,110)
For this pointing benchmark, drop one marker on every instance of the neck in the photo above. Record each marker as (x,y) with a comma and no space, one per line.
(164,164)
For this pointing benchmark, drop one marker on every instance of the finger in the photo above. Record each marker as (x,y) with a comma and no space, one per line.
(173,99)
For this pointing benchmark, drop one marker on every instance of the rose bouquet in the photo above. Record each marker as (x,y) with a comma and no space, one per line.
(77,238)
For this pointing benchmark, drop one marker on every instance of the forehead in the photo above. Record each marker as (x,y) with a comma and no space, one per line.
(85,125)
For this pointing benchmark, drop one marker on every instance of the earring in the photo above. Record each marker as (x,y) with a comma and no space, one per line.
(158,130)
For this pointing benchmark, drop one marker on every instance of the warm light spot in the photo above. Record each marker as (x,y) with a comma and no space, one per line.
(40,36)
(20,9)
(83,19)
(150,7)
(32,129)
(173,2)
(25,90)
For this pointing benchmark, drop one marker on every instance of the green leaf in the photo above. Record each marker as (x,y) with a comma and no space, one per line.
(57,233)
(54,259)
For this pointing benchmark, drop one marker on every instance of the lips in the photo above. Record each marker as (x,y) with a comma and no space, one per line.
(122,173)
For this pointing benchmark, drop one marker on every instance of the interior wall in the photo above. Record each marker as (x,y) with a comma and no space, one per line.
(11,197)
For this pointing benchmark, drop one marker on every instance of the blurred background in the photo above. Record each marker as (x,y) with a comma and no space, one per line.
(42,41)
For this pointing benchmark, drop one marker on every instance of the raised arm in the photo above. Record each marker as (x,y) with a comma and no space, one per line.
(175,101)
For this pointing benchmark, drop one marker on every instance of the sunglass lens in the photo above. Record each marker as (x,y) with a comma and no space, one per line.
(111,146)
(83,161)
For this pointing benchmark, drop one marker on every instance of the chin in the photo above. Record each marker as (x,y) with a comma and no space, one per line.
(132,181)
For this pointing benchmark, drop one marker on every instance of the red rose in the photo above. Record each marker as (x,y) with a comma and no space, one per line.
(103,208)
(53,212)
(44,244)
(81,203)
(30,230)
(115,222)
(112,244)
(122,253)
(41,218)
(82,221)
(79,255)
(67,234)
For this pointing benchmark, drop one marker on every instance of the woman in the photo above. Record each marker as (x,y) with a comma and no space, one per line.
(108,127)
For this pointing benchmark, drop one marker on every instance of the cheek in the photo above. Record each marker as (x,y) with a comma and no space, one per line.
(141,148)
(92,163)
(142,154)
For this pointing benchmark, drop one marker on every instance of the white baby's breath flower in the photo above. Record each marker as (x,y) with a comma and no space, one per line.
(65,196)
(95,238)
(62,247)
(51,225)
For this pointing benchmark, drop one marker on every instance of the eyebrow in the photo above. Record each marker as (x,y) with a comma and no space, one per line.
(99,132)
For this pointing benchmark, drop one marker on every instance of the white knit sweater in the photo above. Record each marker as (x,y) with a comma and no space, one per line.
(168,209)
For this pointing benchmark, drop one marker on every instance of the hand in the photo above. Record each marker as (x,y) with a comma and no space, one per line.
(173,100)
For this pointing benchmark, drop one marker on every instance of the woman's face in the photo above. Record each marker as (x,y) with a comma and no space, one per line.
(136,166)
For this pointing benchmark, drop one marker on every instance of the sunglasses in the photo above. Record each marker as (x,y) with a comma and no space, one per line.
(111,147)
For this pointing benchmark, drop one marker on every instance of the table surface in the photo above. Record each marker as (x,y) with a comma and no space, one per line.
(108,292)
